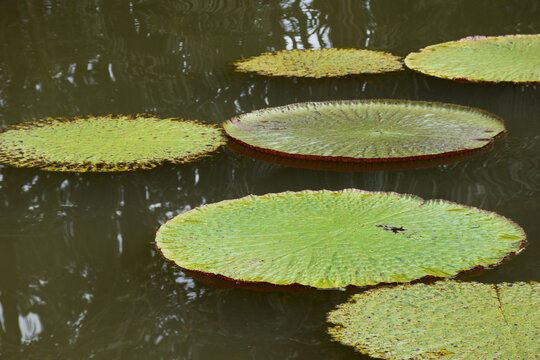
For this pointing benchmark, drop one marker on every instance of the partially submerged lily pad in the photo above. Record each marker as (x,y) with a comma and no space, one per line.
(365,130)
(514,58)
(105,143)
(445,320)
(320,63)
(329,239)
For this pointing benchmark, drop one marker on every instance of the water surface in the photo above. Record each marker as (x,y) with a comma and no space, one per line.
(79,273)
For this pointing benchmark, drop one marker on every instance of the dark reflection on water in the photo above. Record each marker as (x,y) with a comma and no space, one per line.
(79,274)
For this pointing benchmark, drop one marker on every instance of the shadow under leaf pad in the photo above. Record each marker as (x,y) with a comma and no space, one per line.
(106,143)
(445,320)
(332,239)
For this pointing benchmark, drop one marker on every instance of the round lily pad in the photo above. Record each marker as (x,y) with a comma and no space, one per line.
(445,320)
(105,143)
(341,166)
(365,130)
(514,58)
(320,63)
(329,239)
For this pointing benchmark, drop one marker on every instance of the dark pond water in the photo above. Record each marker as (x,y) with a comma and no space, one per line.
(79,273)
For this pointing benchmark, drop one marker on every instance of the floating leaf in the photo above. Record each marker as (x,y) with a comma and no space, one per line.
(342,166)
(514,58)
(320,63)
(445,320)
(105,143)
(365,131)
(331,239)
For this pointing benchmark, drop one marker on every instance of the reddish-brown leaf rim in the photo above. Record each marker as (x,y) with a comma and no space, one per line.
(238,119)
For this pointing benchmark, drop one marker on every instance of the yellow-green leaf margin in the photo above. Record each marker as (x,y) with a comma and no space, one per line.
(106,143)
(320,63)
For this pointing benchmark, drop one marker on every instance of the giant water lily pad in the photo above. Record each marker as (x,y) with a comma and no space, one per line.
(320,63)
(329,239)
(105,143)
(514,58)
(446,320)
(342,166)
(365,131)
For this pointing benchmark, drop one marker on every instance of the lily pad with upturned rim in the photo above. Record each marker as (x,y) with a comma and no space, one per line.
(445,320)
(512,58)
(320,63)
(341,166)
(105,143)
(329,239)
(365,130)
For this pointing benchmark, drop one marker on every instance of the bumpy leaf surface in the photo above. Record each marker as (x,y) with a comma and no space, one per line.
(446,320)
(514,58)
(320,63)
(365,131)
(328,239)
(105,143)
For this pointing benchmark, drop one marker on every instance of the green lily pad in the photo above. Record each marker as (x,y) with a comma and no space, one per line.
(446,320)
(341,166)
(329,239)
(105,143)
(320,63)
(365,130)
(513,58)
